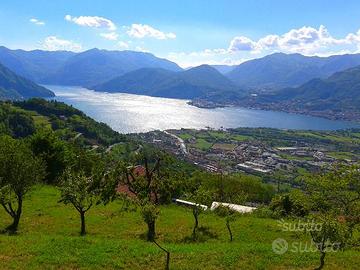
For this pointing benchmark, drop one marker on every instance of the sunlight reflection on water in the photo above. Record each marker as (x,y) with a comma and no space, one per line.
(128,113)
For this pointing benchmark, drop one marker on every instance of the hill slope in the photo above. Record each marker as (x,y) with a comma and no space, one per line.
(340,91)
(337,97)
(281,70)
(13,86)
(192,83)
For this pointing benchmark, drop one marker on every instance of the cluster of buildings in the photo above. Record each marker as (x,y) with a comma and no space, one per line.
(247,156)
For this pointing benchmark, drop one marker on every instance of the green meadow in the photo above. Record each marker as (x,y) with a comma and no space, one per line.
(48,238)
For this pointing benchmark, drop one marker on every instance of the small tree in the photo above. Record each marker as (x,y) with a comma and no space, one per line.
(144,187)
(334,202)
(150,213)
(229,215)
(19,171)
(331,235)
(81,191)
(201,198)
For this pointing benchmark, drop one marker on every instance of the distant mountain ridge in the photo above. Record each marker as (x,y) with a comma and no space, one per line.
(188,84)
(337,97)
(341,91)
(86,68)
(281,70)
(15,87)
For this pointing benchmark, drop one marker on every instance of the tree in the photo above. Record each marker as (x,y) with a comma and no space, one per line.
(81,191)
(143,185)
(54,152)
(330,235)
(150,182)
(334,202)
(201,198)
(19,171)
(229,215)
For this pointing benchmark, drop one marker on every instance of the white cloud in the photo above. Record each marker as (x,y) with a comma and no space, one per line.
(306,40)
(36,21)
(110,36)
(53,43)
(123,45)
(207,56)
(144,30)
(242,43)
(141,49)
(92,21)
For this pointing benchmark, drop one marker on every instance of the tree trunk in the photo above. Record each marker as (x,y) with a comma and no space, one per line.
(83,229)
(322,261)
(151,231)
(167,261)
(196,225)
(229,229)
(16,217)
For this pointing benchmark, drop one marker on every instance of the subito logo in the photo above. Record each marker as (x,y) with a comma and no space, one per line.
(280,246)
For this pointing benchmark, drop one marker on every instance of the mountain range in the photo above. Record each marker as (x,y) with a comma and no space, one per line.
(336,97)
(14,87)
(86,68)
(340,92)
(276,81)
(192,83)
(281,70)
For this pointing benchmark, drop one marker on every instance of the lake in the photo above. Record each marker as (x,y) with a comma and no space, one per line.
(128,113)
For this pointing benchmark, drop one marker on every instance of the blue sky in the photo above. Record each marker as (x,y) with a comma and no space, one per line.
(189,32)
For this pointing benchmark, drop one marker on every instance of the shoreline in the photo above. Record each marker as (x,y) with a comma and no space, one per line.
(330,115)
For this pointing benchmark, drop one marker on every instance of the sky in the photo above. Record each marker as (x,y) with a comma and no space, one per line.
(188,32)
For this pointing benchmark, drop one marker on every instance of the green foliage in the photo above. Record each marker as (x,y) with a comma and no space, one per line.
(294,203)
(236,188)
(13,86)
(150,213)
(19,171)
(55,153)
(66,118)
(81,191)
(334,199)
(229,215)
(15,122)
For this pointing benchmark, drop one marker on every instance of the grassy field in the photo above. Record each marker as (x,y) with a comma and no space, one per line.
(49,239)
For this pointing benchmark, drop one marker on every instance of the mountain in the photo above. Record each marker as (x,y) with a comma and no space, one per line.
(195,82)
(86,68)
(341,91)
(33,65)
(13,86)
(97,66)
(281,70)
(223,69)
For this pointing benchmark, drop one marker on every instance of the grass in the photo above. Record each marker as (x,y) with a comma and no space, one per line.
(49,239)
(203,144)
(224,146)
(185,136)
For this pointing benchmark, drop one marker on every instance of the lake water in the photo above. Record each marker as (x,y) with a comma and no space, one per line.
(128,113)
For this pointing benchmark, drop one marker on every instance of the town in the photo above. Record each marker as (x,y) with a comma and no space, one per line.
(225,151)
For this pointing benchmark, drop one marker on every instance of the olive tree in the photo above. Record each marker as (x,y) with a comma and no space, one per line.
(20,170)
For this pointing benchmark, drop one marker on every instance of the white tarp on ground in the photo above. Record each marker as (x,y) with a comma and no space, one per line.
(235,207)
(187,203)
